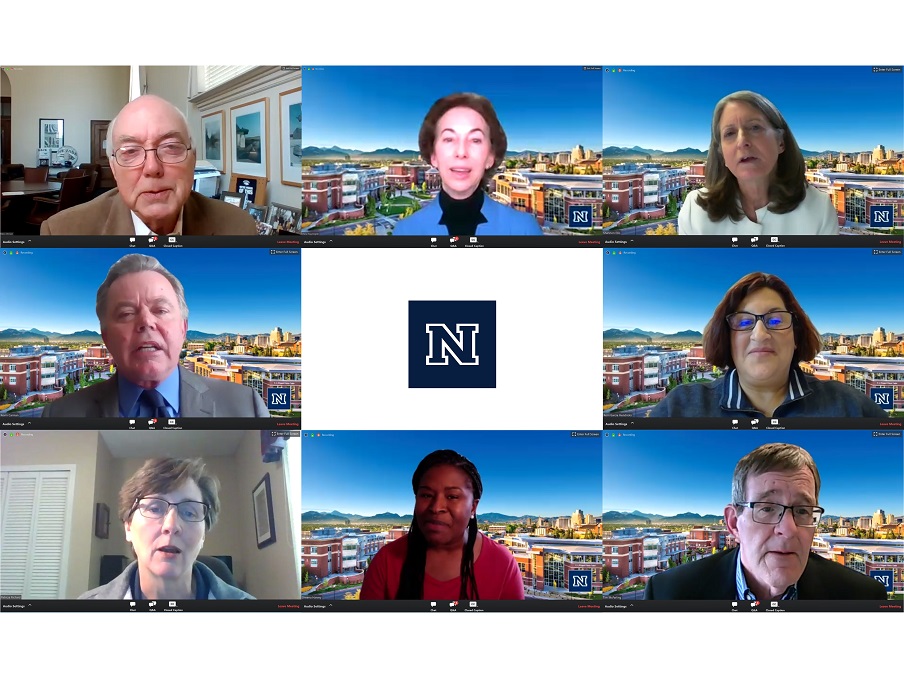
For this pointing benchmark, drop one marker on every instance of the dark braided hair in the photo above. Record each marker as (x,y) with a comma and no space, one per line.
(411,580)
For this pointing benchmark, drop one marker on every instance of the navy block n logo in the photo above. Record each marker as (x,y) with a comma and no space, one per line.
(881,216)
(883,396)
(580,216)
(451,344)
(279,398)
(579,581)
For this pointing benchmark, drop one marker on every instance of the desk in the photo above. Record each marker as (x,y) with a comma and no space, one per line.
(21,188)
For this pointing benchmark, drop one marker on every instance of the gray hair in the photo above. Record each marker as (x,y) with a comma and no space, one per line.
(175,108)
(770,457)
(136,263)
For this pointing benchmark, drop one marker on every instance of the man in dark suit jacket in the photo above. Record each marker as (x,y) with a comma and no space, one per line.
(153,161)
(143,321)
(713,578)
(773,516)
(199,397)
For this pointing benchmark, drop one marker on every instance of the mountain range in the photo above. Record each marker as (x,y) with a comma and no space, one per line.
(36,336)
(339,518)
(338,152)
(640,336)
(648,336)
(641,518)
(683,153)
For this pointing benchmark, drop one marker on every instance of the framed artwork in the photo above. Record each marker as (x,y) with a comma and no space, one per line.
(259,212)
(262,501)
(283,217)
(212,148)
(101,521)
(250,125)
(50,133)
(233,198)
(248,186)
(290,136)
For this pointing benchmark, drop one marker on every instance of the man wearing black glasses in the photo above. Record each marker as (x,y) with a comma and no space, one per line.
(773,515)
(152,158)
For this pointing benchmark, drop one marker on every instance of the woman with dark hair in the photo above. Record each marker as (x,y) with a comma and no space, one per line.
(444,556)
(755,177)
(167,507)
(463,139)
(758,334)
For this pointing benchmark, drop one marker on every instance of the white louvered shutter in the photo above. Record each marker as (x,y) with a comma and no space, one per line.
(35,507)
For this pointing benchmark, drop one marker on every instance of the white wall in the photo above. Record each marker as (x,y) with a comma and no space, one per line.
(271,570)
(77,94)
(257,84)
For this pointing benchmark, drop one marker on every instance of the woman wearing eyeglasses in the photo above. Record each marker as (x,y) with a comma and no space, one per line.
(167,507)
(758,334)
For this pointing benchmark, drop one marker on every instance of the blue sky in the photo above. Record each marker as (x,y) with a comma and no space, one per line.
(245,290)
(669,290)
(846,108)
(541,108)
(670,472)
(546,473)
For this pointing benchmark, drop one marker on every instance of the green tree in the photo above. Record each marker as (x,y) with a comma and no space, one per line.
(68,386)
(671,207)
(424,186)
(83,380)
(370,207)
(3,393)
(209,345)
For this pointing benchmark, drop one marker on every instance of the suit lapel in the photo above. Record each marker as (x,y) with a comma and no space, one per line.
(194,214)
(119,219)
(106,397)
(728,567)
(193,401)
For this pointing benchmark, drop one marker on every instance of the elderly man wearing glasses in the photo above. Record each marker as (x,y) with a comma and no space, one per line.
(167,508)
(153,162)
(773,515)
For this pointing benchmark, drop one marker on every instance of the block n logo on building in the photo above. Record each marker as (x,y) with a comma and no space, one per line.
(883,396)
(579,581)
(882,216)
(279,398)
(580,216)
(884,577)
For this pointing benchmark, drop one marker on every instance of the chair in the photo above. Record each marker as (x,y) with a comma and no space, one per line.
(36,175)
(93,170)
(219,568)
(73,173)
(72,193)
(12,171)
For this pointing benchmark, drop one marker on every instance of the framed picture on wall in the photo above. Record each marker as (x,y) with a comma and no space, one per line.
(50,133)
(212,147)
(253,188)
(250,125)
(290,136)
(262,502)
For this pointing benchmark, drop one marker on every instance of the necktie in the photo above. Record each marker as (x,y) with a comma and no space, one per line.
(154,403)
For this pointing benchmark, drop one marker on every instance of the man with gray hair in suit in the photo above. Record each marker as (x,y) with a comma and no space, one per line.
(143,321)
(152,158)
